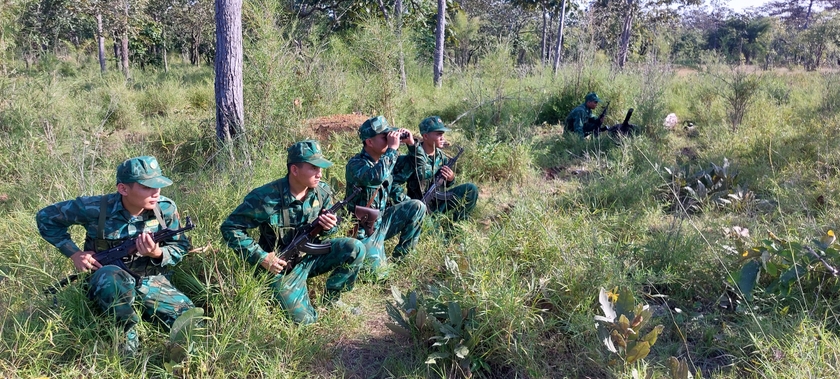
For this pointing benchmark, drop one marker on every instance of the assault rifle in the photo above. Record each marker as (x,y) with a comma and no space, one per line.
(623,128)
(432,191)
(115,255)
(302,243)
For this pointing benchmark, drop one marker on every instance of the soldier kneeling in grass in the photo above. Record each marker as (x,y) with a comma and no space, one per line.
(279,209)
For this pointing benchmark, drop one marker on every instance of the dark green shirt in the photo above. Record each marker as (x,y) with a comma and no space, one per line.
(277,213)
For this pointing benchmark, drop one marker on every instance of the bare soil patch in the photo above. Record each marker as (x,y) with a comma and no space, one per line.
(326,126)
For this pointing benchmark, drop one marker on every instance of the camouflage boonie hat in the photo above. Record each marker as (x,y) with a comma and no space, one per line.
(308,151)
(144,170)
(373,126)
(592,97)
(432,124)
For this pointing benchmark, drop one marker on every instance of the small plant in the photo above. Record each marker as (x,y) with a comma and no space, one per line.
(779,264)
(448,327)
(620,328)
(716,186)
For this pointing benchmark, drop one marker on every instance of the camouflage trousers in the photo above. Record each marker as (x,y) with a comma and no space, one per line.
(114,292)
(405,218)
(461,203)
(344,260)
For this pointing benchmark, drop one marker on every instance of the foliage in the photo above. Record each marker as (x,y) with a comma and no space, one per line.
(788,268)
(443,324)
(689,192)
(620,328)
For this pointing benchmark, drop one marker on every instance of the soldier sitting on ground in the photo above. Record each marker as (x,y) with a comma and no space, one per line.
(138,210)
(418,169)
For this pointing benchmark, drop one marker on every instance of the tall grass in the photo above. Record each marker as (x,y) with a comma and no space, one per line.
(530,261)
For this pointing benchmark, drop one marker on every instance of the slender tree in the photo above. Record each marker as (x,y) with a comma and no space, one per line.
(559,49)
(439,34)
(230,113)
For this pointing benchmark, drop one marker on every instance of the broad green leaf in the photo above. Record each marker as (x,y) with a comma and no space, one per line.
(638,351)
(747,278)
(398,329)
(651,337)
(606,339)
(396,315)
(625,303)
(772,269)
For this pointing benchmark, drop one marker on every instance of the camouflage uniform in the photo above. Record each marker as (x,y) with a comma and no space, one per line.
(107,224)
(277,213)
(580,120)
(375,178)
(417,170)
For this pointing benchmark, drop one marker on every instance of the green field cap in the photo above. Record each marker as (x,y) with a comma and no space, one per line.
(144,170)
(308,151)
(432,124)
(373,126)
(592,97)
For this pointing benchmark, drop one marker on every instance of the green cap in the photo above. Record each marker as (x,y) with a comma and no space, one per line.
(373,126)
(592,97)
(432,124)
(308,151)
(144,170)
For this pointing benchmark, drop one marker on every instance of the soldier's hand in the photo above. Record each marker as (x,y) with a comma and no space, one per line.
(408,140)
(447,173)
(273,264)
(393,139)
(147,247)
(84,261)
(327,220)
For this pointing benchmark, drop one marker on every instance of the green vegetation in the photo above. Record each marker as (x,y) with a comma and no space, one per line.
(515,292)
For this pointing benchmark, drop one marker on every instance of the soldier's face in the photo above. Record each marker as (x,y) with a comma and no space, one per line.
(136,196)
(305,174)
(592,104)
(378,143)
(435,138)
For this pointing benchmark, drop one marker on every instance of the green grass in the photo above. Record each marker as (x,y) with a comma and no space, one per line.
(531,261)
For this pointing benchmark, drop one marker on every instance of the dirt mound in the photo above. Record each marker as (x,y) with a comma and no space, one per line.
(326,126)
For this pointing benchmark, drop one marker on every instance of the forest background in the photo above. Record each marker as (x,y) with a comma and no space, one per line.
(720,221)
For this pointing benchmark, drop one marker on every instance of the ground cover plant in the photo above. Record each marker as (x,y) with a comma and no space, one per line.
(516,291)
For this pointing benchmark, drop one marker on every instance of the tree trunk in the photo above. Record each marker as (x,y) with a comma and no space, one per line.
(124,54)
(808,15)
(230,113)
(101,42)
(117,54)
(559,49)
(624,42)
(398,12)
(543,42)
(163,51)
(439,34)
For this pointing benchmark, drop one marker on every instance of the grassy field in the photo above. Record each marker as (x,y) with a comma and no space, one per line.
(515,292)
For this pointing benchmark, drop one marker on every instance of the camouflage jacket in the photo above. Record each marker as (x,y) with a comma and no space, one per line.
(376,180)
(277,213)
(580,120)
(55,220)
(417,170)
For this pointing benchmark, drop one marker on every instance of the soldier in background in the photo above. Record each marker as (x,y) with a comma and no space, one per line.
(138,210)
(580,120)
(418,168)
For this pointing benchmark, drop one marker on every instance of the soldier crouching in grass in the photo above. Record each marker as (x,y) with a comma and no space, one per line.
(581,121)
(136,210)
(371,170)
(279,209)
(419,167)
